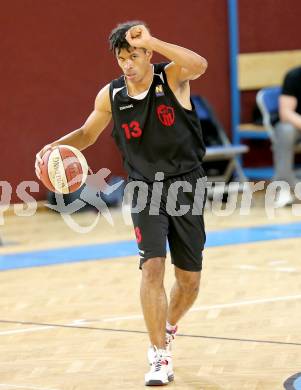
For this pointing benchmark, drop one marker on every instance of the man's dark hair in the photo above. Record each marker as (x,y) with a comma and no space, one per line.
(117,37)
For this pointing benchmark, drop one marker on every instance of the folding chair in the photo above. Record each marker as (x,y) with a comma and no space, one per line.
(221,159)
(267,100)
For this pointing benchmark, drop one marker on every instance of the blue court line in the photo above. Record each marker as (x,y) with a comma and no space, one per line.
(297,383)
(129,248)
(293,382)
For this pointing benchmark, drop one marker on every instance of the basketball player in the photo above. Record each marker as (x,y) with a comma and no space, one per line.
(159,136)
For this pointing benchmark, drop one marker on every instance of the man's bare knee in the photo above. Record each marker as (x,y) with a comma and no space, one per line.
(153,271)
(188,282)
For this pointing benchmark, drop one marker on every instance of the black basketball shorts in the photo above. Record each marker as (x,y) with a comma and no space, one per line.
(170,210)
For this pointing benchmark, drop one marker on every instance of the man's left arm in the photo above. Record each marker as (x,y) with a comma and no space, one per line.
(185,64)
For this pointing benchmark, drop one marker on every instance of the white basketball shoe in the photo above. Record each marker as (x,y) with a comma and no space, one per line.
(169,337)
(161,372)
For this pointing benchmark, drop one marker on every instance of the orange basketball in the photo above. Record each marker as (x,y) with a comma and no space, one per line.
(64,170)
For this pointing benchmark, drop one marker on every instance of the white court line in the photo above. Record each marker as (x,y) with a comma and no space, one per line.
(26,387)
(194,309)
(221,306)
(277,262)
(288,269)
(35,329)
(251,302)
(246,266)
(26,330)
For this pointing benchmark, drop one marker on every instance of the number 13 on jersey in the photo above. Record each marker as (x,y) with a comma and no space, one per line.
(132,130)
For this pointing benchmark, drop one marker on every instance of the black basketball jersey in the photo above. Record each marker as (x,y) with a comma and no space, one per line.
(156,133)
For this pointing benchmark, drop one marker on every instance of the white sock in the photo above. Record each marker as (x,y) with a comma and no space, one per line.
(170,327)
(161,351)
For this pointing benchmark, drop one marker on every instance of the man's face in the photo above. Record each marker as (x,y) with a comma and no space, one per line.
(134,63)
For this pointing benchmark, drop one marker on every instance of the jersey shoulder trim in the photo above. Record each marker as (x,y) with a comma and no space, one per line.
(159,70)
(116,86)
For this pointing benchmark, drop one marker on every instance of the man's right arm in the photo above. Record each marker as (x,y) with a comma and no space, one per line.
(288,99)
(87,134)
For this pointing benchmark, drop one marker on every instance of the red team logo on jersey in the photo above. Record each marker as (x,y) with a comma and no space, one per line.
(166,115)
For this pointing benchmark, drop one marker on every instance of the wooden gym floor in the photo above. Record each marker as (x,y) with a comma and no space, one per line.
(78,325)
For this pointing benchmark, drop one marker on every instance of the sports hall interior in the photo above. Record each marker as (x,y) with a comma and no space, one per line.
(69,288)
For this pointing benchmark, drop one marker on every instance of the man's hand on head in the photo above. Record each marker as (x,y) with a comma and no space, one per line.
(139,36)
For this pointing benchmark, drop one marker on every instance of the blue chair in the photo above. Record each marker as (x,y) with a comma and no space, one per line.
(267,101)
